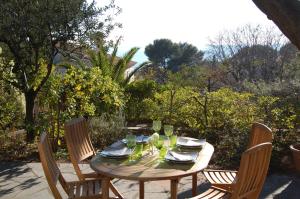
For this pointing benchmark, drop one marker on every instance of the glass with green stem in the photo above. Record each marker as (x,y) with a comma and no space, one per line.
(160,146)
(131,142)
(168,129)
(156,126)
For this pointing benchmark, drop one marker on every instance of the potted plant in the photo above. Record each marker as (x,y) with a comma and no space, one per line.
(295,148)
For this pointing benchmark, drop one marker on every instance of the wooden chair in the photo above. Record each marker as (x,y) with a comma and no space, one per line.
(81,149)
(224,178)
(250,177)
(78,189)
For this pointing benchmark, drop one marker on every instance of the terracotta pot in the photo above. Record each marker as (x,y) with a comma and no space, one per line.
(295,148)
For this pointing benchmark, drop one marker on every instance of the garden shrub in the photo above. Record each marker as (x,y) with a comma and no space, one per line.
(136,92)
(106,129)
(78,92)
(11,109)
(171,105)
(223,116)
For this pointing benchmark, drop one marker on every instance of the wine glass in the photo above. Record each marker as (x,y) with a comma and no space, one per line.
(168,129)
(131,142)
(156,125)
(159,143)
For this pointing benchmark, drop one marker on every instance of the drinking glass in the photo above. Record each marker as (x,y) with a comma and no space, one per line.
(156,125)
(159,143)
(162,153)
(138,150)
(173,140)
(168,131)
(131,142)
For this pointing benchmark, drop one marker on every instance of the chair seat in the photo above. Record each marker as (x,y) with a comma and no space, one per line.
(87,189)
(92,175)
(213,193)
(220,176)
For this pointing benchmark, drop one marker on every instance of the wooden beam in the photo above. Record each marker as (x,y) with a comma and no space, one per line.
(285,14)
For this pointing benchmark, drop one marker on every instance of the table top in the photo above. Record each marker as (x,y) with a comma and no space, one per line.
(149,167)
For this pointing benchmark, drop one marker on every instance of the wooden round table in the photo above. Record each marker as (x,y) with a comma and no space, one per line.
(148,168)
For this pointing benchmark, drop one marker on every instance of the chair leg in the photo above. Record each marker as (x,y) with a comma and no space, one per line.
(115,191)
(194,184)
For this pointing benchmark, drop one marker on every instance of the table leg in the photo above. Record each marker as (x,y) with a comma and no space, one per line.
(105,187)
(194,184)
(142,189)
(174,188)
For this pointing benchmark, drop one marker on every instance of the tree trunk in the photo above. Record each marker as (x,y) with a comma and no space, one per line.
(29,117)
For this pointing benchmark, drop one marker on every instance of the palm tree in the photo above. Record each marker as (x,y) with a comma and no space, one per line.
(114,66)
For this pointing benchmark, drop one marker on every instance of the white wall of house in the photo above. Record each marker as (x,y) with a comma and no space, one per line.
(128,71)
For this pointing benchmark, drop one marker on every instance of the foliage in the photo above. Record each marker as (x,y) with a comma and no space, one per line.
(168,55)
(11,109)
(17,149)
(39,29)
(78,92)
(223,116)
(253,53)
(171,105)
(160,52)
(106,129)
(136,92)
(113,66)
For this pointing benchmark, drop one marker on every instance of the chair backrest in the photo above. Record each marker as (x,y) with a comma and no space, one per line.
(260,133)
(51,170)
(252,172)
(78,142)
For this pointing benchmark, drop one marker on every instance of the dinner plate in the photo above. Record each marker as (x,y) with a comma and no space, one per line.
(190,142)
(116,152)
(181,157)
(139,139)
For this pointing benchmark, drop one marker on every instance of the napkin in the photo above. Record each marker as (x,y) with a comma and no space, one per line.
(195,143)
(181,157)
(190,142)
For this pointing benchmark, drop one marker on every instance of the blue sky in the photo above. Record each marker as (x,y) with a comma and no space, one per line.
(192,21)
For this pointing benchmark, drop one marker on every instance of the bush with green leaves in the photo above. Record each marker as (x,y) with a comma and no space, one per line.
(77,92)
(171,105)
(224,117)
(106,129)
(136,92)
(11,109)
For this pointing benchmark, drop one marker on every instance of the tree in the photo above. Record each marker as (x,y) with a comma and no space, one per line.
(258,62)
(160,52)
(168,55)
(114,66)
(285,14)
(32,33)
(249,53)
(185,54)
(288,63)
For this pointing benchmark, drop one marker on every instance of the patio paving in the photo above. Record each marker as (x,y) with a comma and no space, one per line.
(21,180)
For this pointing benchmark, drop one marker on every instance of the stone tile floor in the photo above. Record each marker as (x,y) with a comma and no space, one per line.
(26,180)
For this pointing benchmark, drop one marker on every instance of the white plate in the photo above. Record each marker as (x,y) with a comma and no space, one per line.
(181,157)
(116,152)
(190,142)
(139,139)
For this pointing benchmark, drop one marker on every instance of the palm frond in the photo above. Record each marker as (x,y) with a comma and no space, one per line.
(114,53)
(122,64)
(142,65)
